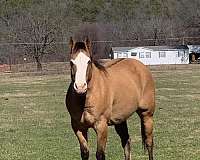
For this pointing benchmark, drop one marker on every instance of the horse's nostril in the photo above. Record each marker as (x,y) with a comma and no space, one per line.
(80,85)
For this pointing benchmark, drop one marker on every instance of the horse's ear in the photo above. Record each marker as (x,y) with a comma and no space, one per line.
(88,43)
(71,43)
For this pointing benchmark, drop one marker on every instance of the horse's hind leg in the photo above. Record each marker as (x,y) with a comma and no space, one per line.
(147,130)
(122,131)
(82,137)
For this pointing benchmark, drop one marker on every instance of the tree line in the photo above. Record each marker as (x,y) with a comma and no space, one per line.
(41,23)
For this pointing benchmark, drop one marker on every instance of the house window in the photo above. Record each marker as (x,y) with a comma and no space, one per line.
(148,54)
(125,55)
(162,54)
(141,55)
(133,53)
(119,55)
(181,53)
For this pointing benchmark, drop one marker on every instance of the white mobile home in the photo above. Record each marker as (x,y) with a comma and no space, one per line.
(154,55)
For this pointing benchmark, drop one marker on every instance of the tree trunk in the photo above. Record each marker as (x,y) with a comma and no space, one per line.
(39,65)
(155,36)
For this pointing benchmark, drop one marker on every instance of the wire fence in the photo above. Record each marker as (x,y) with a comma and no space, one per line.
(183,40)
(14,58)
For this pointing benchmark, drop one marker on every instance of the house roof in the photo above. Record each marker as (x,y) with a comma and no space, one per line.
(154,48)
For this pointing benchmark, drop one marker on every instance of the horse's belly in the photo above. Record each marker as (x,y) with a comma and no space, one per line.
(121,113)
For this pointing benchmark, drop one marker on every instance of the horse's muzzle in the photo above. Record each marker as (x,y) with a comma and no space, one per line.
(80,88)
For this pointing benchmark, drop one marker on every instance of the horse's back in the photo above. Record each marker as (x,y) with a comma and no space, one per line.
(132,67)
(135,73)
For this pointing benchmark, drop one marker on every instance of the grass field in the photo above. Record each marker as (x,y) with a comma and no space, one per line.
(34,123)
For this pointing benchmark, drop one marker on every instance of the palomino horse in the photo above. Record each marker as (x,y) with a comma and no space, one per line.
(99,96)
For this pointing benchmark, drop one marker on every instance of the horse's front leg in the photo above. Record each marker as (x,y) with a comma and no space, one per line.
(101,129)
(81,134)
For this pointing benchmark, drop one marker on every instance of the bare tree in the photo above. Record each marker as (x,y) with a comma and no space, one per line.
(39,35)
(45,22)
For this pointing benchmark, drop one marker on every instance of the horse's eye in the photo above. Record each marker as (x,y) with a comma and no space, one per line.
(89,62)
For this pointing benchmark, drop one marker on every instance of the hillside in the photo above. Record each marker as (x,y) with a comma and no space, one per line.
(112,22)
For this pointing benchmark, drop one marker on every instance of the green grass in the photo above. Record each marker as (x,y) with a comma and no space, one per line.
(35,125)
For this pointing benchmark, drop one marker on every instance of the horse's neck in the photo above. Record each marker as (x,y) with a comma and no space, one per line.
(96,79)
(95,75)
(98,87)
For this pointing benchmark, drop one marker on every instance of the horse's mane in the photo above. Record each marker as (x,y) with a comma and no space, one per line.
(109,63)
(79,45)
(103,65)
(99,65)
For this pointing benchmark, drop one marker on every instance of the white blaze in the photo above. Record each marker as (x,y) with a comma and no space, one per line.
(81,62)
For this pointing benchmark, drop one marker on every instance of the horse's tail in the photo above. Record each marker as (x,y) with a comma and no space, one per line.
(144,137)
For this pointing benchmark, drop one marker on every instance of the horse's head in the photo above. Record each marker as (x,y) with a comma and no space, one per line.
(80,61)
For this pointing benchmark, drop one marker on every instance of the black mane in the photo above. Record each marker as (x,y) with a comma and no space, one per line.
(99,66)
(78,46)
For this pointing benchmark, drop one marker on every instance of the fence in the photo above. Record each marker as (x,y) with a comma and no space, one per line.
(18,59)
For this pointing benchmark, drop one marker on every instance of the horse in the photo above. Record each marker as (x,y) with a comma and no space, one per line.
(103,95)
